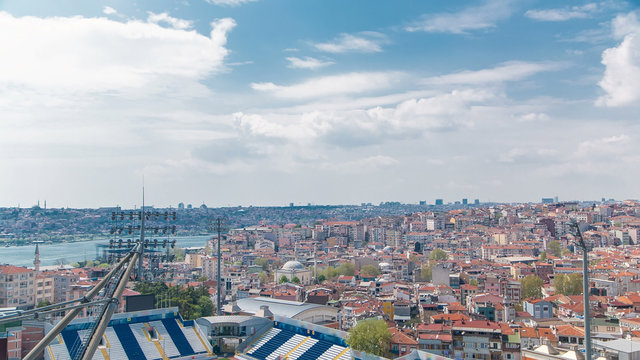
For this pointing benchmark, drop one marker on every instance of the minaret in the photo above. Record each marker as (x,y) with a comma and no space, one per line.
(36,261)
(315,262)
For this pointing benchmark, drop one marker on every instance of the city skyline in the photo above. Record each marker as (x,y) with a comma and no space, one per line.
(239,102)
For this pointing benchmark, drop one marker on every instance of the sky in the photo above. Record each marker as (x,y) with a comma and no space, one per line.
(268,102)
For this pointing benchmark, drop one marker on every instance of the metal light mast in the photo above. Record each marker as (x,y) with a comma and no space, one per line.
(585,290)
(218,290)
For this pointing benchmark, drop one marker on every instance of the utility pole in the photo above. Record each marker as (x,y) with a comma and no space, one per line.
(585,290)
(219,229)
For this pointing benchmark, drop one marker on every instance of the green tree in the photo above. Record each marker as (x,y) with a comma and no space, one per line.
(425,272)
(369,271)
(438,254)
(202,279)
(568,284)
(330,272)
(44,303)
(178,253)
(371,336)
(543,256)
(555,248)
(347,269)
(321,278)
(264,278)
(295,280)
(206,306)
(531,287)
(191,302)
(283,279)
(262,262)
(473,282)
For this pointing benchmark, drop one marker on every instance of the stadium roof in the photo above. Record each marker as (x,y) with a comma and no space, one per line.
(276,306)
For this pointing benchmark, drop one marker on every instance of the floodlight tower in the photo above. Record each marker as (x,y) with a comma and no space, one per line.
(585,290)
(219,278)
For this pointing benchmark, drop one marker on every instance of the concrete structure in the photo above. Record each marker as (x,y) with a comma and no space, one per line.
(293,269)
(539,309)
(313,313)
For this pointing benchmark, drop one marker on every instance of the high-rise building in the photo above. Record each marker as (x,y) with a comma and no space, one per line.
(465,201)
(439,201)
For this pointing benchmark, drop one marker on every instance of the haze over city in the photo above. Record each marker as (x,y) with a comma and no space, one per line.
(238,102)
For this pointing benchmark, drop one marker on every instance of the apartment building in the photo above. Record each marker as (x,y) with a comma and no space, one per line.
(17,287)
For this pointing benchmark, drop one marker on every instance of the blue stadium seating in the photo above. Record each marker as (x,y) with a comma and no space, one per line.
(272,345)
(128,341)
(316,351)
(71,338)
(178,337)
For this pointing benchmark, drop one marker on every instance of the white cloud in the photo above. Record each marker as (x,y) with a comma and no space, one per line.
(108,10)
(307,63)
(365,42)
(522,155)
(99,54)
(508,71)
(533,117)
(362,165)
(351,83)
(229,2)
(602,147)
(621,80)
(356,127)
(568,13)
(472,18)
(175,23)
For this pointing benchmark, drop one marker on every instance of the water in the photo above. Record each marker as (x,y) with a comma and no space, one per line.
(73,252)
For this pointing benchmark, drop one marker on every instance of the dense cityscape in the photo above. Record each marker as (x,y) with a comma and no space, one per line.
(498,281)
(319,180)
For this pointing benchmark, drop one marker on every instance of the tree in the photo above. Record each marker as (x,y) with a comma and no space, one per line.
(44,303)
(438,254)
(371,336)
(347,269)
(321,278)
(262,262)
(264,278)
(191,302)
(543,256)
(555,248)
(425,272)
(178,254)
(531,287)
(473,282)
(568,284)
(283,279)
(369,271)
(330,272)
(295,280)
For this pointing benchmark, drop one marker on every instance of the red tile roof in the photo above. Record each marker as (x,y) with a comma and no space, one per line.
(10,269)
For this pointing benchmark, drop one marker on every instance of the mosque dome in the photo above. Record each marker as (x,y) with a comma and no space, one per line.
(292,265)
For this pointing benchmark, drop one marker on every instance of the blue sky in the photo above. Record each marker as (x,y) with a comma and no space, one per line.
(266,102)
